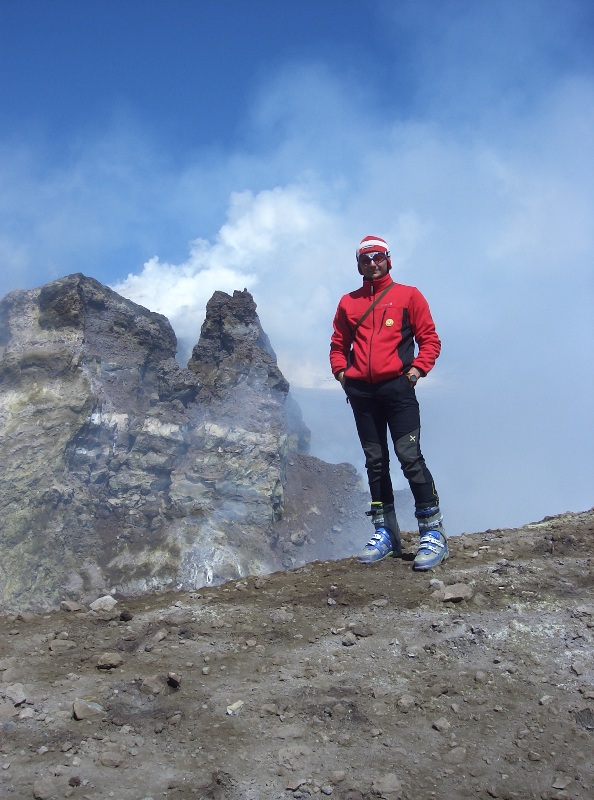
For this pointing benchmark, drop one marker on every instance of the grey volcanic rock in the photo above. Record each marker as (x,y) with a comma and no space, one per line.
(237,369)
(233,348)
(123,472)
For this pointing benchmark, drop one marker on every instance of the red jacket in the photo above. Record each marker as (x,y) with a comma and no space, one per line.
(384,345)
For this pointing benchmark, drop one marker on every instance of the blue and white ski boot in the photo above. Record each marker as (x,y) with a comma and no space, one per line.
(433,546)
(386,539)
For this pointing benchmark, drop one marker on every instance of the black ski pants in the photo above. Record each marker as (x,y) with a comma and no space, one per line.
(391,406)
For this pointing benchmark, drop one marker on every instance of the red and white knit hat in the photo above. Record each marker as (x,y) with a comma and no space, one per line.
(373,244)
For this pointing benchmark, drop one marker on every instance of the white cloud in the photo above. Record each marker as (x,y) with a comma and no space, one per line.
(267,245)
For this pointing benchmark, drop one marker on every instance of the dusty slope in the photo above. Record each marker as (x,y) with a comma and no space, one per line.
(356,682)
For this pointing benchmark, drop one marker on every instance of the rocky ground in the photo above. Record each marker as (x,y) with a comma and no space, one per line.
(335,679)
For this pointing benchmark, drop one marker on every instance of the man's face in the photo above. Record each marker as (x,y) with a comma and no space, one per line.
(373,265)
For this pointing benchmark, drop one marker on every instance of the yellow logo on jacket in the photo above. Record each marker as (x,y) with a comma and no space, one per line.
(389,323)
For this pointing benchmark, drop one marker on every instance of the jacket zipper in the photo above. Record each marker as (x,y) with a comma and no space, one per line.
(372,334)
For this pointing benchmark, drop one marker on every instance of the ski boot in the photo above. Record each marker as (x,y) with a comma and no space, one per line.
(386,539)
(433,545)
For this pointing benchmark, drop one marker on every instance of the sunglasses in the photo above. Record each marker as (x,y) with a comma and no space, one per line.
(371,258)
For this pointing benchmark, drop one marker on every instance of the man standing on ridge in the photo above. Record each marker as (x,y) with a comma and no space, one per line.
(372,354)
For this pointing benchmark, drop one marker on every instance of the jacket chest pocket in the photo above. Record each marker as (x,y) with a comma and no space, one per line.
(389,320)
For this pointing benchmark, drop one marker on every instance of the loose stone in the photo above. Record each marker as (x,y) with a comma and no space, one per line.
(457,755)
(85,709)
(457,592)
(16,694)
(111,759)
(173,680)
(405,703)
(152,684)
(110,661)
(105,603)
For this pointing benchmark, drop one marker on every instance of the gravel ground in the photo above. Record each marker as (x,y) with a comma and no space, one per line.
(334,679)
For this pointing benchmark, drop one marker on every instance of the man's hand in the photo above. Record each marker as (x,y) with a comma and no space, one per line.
(340,377)
(413,375)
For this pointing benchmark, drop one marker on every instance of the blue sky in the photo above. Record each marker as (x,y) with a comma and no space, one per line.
(170,149)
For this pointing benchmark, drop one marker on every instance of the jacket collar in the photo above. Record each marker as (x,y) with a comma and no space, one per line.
(378,285)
